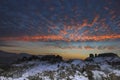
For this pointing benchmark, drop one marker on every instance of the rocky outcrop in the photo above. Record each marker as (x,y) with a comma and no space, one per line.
(107,55)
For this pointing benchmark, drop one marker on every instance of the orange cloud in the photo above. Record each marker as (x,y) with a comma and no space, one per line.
(107,47)
(94,20)
(73,32)
(60,37)
(106,8)
(88,47)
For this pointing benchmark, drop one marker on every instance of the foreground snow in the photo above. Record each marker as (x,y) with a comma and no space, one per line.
(74,70)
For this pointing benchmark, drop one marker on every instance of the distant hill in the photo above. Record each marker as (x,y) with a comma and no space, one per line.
(7,57)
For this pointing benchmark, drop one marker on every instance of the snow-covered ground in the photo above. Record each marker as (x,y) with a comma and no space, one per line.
(98,69)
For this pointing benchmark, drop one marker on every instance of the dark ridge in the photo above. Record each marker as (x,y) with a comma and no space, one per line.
(48,58)
(107,55)
(8,57)
(91,56)
(103,55)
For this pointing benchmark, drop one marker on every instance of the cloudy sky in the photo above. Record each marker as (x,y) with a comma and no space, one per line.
(71,28)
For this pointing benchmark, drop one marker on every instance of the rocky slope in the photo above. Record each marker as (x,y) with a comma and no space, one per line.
(97,68)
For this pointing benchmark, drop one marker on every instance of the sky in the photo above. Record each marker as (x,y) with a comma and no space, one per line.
(70,28)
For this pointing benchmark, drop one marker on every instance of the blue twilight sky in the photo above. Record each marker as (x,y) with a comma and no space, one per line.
(70,28)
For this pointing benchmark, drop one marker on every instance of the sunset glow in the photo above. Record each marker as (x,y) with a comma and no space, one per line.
(71,28)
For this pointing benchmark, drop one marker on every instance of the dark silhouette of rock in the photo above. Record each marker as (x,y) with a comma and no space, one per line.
(107,55)
(96,55)
(48,58)
(33,57)
(52,58)
(91,56)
